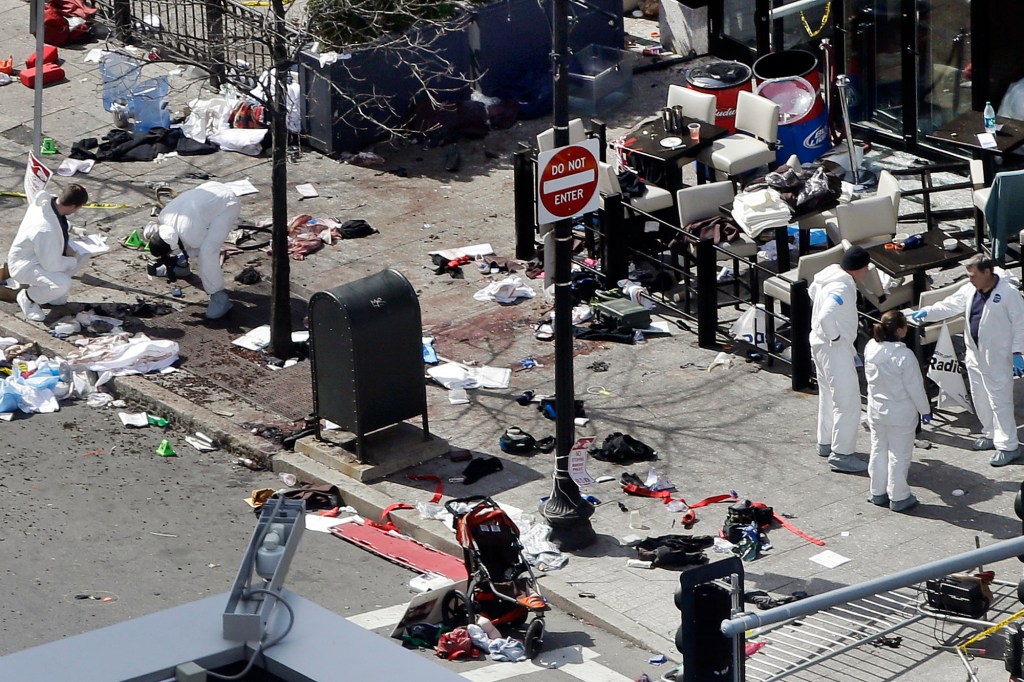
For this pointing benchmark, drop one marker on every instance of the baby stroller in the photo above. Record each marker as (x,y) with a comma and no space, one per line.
(501,585)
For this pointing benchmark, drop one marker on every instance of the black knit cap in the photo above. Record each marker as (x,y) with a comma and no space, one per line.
(855,258)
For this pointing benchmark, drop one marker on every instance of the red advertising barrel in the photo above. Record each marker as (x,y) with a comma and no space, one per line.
(791,80)
(724,80)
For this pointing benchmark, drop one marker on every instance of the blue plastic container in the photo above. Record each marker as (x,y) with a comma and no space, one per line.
(149,104)
(120,75)
(807,138)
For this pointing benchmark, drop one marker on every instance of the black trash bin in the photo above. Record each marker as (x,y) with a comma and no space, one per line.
(366,353)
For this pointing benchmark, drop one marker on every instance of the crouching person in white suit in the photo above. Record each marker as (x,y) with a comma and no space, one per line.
(994,337)
(41,259)
(196,223)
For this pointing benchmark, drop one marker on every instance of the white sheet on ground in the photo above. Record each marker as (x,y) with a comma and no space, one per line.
(122,354)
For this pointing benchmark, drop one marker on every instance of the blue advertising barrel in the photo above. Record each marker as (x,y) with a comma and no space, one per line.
(791,80)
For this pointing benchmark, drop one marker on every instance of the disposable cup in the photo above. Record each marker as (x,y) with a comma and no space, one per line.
(694,129)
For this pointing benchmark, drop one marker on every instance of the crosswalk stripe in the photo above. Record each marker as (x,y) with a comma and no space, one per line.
(566,659)
(563,659)
(371,620)
(592,671)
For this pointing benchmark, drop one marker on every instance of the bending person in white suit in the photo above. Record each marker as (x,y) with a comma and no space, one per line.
(41,259)
(196,223)
(994,336)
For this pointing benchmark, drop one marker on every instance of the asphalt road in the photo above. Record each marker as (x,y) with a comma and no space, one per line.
(95,512)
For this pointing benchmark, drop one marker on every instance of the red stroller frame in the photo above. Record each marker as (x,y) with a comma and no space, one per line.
(502,586)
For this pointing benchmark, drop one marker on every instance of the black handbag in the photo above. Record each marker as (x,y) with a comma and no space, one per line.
(963,595)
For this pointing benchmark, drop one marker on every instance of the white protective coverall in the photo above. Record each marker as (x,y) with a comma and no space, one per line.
(896,398)
(198,221)
(833,332)
(37,257)
(990,361)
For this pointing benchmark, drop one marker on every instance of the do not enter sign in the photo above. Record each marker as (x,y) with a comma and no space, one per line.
(567,185)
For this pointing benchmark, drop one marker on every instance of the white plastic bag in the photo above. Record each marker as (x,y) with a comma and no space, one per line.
(750,327)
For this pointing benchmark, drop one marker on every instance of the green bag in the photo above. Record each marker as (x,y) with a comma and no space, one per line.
(623,314)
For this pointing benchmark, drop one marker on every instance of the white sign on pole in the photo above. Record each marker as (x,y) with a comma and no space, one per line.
(578,462)
(36,177)
(567,182)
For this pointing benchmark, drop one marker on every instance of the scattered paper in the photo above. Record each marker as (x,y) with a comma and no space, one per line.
(91,244)
(307,191)
(201,442)
(987,140)
(829,559)
(136,419)
(242,187)
(69,167)
(256,339)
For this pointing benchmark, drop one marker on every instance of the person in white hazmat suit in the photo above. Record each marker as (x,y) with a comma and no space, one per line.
(896,397)
(41,259)
(994,336)
(196,223)
(833,333)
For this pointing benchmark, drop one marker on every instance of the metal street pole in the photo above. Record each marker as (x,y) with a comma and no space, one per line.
(36,22)
(566,512)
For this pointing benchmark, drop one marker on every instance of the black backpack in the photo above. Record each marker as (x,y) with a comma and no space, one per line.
(621,448)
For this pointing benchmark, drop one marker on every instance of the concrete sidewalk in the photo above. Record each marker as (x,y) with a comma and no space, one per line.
(738,428)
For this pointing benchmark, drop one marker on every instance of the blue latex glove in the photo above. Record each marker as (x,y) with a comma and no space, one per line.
(926,418)
(918,315)
(1018,365)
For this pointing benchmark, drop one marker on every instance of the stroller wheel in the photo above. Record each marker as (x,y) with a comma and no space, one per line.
(534,638)
(456,609)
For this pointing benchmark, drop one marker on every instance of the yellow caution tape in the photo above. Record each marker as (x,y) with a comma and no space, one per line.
(262,3)
(22,196)
(985,633)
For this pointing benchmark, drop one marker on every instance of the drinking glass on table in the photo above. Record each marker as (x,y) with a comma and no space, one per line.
(694,129)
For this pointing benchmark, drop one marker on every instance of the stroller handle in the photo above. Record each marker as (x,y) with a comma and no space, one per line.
(459,500)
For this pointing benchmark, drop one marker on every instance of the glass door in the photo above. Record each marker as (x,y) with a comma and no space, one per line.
(944,58)
(876,64)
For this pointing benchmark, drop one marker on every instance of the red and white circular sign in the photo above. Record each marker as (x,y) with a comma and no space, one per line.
(567,186)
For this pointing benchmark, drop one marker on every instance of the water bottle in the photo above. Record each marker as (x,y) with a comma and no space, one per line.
(990,119)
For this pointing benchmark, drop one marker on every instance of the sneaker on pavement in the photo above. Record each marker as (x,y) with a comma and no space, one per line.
(904,504)
(824,449)
(879,500)
(1003,457)
(983,444)
(846,464)
(219,305)
(29,308)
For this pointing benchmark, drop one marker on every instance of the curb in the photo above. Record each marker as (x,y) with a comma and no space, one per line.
(368,502)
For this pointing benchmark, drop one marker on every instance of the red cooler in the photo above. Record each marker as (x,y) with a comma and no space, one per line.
(791,80)
(724,80)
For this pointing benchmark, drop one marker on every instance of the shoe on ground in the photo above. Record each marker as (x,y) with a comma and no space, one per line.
(983,444)
(29,308)
(1003,457)
(219,305)
(879,500)
(904,504)
(846,464)
(824,449)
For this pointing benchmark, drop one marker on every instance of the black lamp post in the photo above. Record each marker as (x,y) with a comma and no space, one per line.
(566,512)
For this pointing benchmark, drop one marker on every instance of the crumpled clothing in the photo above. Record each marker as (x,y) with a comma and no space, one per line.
(505,291)
(500,649)
(247,141)
(39,392)
(122,354)
(538,550)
